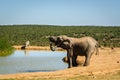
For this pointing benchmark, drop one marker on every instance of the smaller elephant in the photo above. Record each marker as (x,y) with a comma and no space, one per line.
(84,46)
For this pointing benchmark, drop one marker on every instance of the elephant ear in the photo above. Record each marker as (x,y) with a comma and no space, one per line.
(52,38)
(62,39)
(59,39)
(67,39)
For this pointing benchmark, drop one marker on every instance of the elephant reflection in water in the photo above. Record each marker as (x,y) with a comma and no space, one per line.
(84,46)
(26,52)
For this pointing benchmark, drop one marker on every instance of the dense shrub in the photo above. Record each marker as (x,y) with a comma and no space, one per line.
(5,47)
(38,34)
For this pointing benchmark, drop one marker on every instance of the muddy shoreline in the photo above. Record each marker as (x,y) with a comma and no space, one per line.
(35,48)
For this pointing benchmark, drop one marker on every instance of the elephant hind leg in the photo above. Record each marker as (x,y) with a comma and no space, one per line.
(87,59)
(88,55)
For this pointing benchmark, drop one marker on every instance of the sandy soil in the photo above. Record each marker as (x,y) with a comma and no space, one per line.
(32,47)
(108,61)
(35,47)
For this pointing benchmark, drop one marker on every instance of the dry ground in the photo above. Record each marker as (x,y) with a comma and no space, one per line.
(108,61)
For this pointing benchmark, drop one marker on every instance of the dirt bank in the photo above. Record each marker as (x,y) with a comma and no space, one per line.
(35,47)
(108,61)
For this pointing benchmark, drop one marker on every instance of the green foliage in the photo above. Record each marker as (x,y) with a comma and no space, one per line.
(5,48)
(38,34)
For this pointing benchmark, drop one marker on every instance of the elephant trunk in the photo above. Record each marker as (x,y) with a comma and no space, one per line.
(52,46)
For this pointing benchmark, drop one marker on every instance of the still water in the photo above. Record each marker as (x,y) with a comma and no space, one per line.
(32,61)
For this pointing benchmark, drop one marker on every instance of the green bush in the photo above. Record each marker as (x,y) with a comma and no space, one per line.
(37,34)
(5,48)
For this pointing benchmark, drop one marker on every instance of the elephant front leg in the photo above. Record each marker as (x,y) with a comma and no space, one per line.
(69,56)
(69,62)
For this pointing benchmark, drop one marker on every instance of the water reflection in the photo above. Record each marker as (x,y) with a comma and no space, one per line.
(26,52)
(32,61)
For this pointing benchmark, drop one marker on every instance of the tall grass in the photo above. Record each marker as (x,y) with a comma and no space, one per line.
(5,48)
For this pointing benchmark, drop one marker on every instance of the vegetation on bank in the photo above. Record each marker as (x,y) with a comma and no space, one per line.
(5,48)
(38,34)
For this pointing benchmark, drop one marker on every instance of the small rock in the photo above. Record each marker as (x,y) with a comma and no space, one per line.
(118,62)
(65,59)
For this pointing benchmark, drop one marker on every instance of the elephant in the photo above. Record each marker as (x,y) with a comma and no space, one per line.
(84,46)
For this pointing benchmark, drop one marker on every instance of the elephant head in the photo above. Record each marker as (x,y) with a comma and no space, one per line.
(53,41)
(59,41)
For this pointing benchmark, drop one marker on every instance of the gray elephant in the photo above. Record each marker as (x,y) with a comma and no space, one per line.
(84,46)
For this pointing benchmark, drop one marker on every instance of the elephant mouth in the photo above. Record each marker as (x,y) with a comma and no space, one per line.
(53,47)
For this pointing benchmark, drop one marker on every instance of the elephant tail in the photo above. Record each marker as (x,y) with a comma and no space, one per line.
(97,50)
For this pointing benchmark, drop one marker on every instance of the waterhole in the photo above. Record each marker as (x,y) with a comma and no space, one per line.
(32,61)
